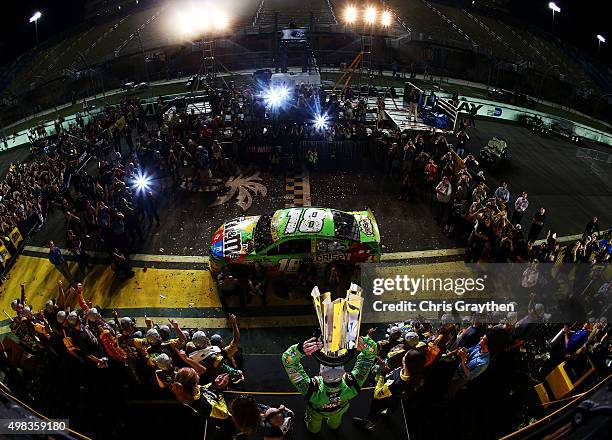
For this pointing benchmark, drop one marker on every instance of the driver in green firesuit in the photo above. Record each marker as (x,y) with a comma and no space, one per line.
(328,394)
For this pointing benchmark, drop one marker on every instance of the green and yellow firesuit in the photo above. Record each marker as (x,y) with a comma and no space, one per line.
(324,401)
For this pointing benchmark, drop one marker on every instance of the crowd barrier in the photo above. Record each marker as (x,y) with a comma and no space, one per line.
(347,149)
(13,243)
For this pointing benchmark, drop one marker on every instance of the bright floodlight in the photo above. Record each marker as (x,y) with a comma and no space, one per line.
(554,7)
(35,17)
(184,23)
(386,18)
(142,182)
(221,21)
(320,121)
(601,38)
(276,96)
(370,15)
(351,14)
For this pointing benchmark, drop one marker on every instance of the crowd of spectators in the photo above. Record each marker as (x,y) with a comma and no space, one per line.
(110,208)
(469,208)
(419,362)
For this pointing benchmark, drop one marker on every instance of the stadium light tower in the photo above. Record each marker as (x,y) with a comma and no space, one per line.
(34,19)
(554,8)
(600,39)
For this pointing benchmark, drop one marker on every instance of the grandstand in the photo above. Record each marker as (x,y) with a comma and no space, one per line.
(307,12)
(468,42)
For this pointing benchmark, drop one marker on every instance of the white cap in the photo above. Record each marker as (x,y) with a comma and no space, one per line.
(163,362)
(73,318)
(412,339)
(199,339)
(92,314)
(153,336)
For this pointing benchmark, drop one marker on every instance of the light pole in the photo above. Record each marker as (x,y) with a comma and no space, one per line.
(553,66)
(554,8)
(600,39)
(369,17)
(34,19)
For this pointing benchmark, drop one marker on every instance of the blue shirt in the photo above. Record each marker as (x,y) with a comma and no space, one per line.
(577,340)
(476,363)
(55,256)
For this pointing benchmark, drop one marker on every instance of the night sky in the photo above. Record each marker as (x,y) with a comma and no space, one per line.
(579,22)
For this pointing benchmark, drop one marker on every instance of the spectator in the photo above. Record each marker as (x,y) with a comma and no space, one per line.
(472,363)
(57,259)
(444,192)
(520,206)
(251,417)
(207,400)
(537,224)
(592,227)
(398,385)
(502,193)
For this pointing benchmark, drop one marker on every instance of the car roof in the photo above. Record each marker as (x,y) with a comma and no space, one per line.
(356,225)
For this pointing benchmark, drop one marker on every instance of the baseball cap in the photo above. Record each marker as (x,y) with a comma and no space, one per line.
(412,339)
(331,374)
(199,339)
(72,317)
(164,332)
(61,316)
(216,340)
(153,336)
(163,362)
(92,314)
(49,306)
(14,304)
(125,322)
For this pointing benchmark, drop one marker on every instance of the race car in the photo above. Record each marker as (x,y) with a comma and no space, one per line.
(282,240)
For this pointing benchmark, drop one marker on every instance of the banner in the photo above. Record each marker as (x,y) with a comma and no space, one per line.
(15,236)
(5,255)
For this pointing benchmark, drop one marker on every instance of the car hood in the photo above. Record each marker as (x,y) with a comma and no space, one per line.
(234,239)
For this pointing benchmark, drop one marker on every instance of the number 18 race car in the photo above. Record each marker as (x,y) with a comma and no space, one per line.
(281,241)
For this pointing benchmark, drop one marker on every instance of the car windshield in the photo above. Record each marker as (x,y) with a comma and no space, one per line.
(263,233)
(345,226)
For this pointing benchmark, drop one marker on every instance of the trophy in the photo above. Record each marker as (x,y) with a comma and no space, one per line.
(339,321)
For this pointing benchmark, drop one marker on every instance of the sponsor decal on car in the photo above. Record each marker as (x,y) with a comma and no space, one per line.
(365,224)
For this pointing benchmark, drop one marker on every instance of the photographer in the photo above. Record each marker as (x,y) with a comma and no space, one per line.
(398,385)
